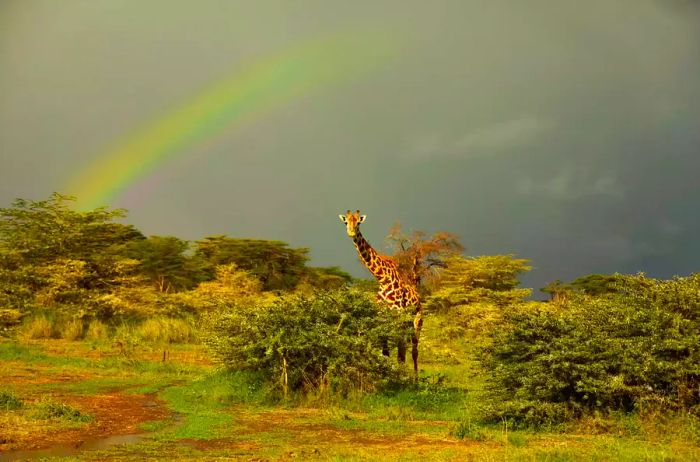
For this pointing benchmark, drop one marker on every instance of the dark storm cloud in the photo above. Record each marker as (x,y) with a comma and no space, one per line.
(565,132)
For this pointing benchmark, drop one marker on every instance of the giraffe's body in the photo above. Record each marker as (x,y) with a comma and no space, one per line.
(395,291)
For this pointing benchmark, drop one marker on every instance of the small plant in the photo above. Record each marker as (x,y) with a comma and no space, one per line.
(39,327)
(72,330)
(9,401)
(48,409)
(467,430)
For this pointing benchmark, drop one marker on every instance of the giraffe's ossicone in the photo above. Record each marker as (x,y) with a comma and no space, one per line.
(395,291)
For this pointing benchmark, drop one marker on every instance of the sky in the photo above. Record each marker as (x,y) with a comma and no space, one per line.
(564,132)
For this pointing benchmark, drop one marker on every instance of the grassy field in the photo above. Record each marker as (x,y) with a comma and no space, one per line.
(65,400)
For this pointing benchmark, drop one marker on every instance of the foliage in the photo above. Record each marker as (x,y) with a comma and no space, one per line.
(557,290)
(331,339)
(40,231)
(596,284)
(592,284)
(163,260)
(48,409)
(230,284)
(418,255)
(52,257)
(274,263)
(323,278)
(492,278)
(366,286)
(9,401)
(635,348)
(9,318)
(466,429)
(131,303)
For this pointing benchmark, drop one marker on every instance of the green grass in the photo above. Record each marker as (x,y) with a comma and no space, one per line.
(154,426)
(466,429)
(201,404)
(442,412)
(9,401)
(48,409)
(32,354)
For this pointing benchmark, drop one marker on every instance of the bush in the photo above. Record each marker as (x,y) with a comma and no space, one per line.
(633,349)
(330,340)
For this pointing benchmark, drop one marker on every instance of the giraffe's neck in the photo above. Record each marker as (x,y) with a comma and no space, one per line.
(368,255)
(392,289)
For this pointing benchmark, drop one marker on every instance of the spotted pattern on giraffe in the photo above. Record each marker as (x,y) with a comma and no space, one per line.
(394,291)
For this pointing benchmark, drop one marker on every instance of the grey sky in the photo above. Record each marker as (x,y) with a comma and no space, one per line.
(565,132)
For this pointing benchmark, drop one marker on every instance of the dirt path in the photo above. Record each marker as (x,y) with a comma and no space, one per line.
(114,412)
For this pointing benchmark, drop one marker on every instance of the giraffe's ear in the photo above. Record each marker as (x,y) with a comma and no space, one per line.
(362,218)
(342,218)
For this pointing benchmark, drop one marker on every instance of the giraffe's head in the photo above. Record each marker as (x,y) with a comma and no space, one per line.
(352,221)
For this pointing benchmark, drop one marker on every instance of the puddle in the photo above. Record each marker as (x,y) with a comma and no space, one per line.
(89,444)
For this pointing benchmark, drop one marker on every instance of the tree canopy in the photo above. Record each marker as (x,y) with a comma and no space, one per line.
(278,266)
(419,255)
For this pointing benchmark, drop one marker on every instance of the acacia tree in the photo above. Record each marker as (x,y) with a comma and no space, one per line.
(418,255)
(163,260)
(37,232)
(52,256)
(274,263)
(489,278)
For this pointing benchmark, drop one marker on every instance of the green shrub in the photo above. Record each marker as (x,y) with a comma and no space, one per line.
(9,401)
(39,327)
(97,330)
(330,340)
(634,349)
(72,330)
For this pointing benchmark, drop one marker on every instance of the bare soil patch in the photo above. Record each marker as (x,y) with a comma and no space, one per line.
(114,414)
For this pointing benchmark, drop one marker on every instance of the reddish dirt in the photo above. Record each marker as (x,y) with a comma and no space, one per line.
(19,373)
(113,413)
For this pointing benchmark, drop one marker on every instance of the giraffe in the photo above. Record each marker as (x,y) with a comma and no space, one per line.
(395,291)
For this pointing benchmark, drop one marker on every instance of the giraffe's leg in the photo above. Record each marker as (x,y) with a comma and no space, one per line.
(417,325)
(385,347)
(401,354)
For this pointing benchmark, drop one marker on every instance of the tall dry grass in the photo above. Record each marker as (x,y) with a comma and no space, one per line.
(166,330)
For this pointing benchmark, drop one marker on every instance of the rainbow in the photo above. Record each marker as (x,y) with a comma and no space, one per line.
(253,90)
